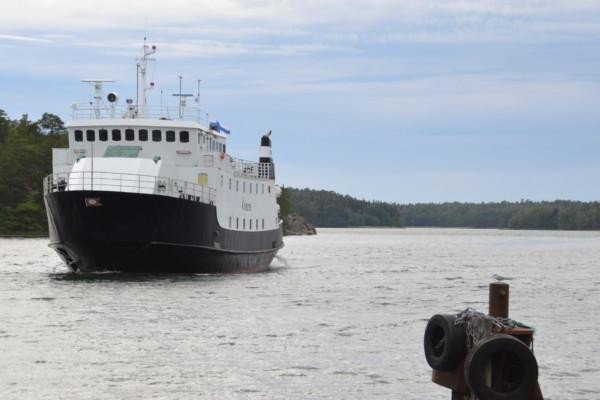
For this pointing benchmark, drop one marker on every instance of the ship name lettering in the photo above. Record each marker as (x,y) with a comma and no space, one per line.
(246,206)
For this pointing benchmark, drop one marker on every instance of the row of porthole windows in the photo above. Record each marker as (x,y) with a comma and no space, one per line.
(250,186)
(243,226)
(157,134)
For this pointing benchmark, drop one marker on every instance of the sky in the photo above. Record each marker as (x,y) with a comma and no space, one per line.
(400,101)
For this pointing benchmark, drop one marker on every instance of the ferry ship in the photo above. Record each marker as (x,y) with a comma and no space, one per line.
(154,190)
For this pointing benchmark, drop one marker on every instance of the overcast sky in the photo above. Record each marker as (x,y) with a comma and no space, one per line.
(406,101)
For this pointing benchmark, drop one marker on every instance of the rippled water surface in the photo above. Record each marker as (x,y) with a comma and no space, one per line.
(340,316)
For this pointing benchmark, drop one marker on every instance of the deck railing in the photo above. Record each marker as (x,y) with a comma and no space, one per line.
(129,183)
(131,111)
(253,169)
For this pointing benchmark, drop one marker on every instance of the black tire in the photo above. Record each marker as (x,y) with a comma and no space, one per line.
(444,342)
(518,378)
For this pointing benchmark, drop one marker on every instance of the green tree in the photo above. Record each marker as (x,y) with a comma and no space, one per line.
(4,127)
(285,204)
(51,124)
(25,158)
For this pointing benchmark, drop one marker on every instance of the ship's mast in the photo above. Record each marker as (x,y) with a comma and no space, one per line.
(142,66)
(182,99)
(97,93)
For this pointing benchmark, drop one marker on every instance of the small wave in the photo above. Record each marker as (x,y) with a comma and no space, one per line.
(248,391)
(282,260)
(304,367)
(344,373)
(292,375)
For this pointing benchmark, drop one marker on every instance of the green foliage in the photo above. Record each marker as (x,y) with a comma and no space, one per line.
(285,204)
(324,208)
(329,209)
(25,158)
(51,124)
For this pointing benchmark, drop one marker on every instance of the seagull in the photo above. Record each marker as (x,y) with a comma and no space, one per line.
(501,278)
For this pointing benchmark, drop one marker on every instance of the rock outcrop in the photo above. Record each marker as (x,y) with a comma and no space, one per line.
(294,225)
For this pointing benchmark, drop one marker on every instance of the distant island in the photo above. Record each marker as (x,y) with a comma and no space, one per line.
(25,159)
(329,209)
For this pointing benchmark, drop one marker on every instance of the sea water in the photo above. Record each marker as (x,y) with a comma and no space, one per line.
(341,315)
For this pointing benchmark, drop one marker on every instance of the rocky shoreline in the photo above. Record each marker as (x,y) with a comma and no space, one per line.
(296,225)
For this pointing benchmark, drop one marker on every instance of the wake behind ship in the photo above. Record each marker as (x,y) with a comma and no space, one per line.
(143,189)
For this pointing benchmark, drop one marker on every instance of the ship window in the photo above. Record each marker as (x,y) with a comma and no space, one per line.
(90,135)
(250,223)
(143,135)
(269,187)
(237,223)
(116,135)
(156,135)
(237,186)
(250,187)
(184,136)
(230,221)
(224,148)
(170,136)
(78,136)
(263,223)
(103,135)
(263,188)
(256,223)
(244,224)
(122,151)
(129,135)
(256,188)
(244,187)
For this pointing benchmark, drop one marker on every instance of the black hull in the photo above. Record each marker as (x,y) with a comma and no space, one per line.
(133,232)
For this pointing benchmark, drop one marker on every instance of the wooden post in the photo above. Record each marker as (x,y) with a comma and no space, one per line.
(499,299)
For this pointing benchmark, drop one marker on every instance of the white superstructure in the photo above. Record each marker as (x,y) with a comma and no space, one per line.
(164,151)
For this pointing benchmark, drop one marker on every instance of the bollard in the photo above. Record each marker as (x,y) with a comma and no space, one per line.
(500,366)
(499,299)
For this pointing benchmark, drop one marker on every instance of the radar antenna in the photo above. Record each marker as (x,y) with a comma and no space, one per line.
(97,93)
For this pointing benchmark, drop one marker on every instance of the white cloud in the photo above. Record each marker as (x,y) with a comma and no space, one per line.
(19,38)
(347,20)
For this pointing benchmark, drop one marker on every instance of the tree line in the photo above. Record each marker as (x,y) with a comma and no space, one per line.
(329,209)
(26,158)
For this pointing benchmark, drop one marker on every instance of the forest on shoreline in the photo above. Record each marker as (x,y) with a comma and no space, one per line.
(329,209)
(26,158)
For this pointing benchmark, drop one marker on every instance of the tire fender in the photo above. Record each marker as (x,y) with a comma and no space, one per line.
(518,377)
(444,342)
